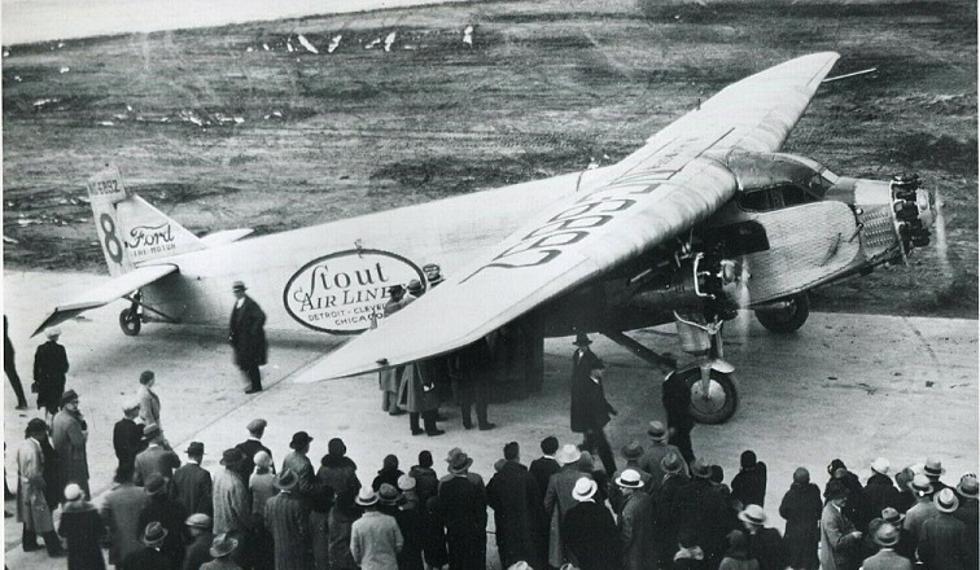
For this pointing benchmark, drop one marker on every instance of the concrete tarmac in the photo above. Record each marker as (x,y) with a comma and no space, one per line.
(846,385)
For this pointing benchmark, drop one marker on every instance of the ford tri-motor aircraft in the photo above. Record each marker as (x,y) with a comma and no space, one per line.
(706,218)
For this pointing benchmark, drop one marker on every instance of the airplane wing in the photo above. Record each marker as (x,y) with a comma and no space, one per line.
(658,192)
(104,294)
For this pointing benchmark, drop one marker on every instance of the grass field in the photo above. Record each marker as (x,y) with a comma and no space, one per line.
(226,127)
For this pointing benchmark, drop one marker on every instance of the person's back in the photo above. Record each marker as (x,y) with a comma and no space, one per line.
(943,545)
(749,485)
(590,533)
(83,530)
(376,541)
(192,488)
(120,512)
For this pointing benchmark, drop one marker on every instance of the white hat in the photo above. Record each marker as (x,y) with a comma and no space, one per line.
(584,489)
(569,453)
(630,479)
(52,332)
(881,465)
(73,492)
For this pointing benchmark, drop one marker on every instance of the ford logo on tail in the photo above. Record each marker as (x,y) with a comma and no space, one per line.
(340,293)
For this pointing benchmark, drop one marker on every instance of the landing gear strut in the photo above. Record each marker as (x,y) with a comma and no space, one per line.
(132,318)
(714,396)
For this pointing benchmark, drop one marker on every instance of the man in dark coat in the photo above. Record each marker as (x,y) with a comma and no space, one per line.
(944,542)
(658,448)
(473,376)
(591,410)
(83,530)
(10,368)
(967,491)
(50,367)
(120,512)
(558,500)
(701,507)
(545,466)
(253,445)
(518,511)
(636,522)
(169,513)
(197,551)
(676,396)
(288,519)
(69,436)
(127,435)
(246,334)
(749,485)
(765,544)
(665,525)
(155,458)
(426,488)
(589,530)
(801,508)
(192,484)
(880,491)
(857,508)
(151,556)
(462,504)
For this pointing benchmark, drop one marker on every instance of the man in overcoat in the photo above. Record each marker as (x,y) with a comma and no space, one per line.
(879,490)
(253,445)
(518,510)
(636,531)
(591,410)
(149,401)
(83,530)
(652,459)
(120,512)
(749,485)
(886,536)
(288,519)
(462,502)
(169,513)
(10,368)
(665,524)
(232,513)
(590,531)
(127,435)
(676,397)
(967,491)
(420,397)
(840,541)
(69,435)
(50,368)
(944,544)
(558,500)
(155,458)
(801,508)
(701,507)
(246,333)
(192,486)
(32,506)
(765,543)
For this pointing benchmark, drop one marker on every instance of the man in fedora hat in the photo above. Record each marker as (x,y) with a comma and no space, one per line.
(558,500)
(230,496)
(840,541)
(192,485)
(944,540)
(120,512)
(83,531)
(589,530)
(934,469)
(288,519)
(801,508)
(665,527)
(222,547)
(253,445)
(891,516)
(246,333)
(375,539)
(169,513)
(50,368)
(32,506)
(656,451)
(923,509)
(632,452)
(880,490)
(517,509)
(462,503)
(150,556)
(127,435)
(69,436)
(308,488)
(198,549)
(156,458)
(887,537)
(591,411)
(967,491)
(702,508)
(636,521)
(765,543)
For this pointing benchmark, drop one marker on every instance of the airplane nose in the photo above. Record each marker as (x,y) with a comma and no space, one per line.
(914,210)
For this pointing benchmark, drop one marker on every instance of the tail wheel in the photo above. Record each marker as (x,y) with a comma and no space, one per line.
(718,403)
(787,319)
(129,322)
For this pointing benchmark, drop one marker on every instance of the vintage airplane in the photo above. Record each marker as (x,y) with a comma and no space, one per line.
(706,218)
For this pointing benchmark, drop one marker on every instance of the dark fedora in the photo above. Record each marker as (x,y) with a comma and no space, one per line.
(835,490)
(300,439)
(388,494)
(632,450)
(886,535)
(582,339)
(968,486)
(195,448)
(672,463)
(700,469)
(231,457)
(223,545)
(459,462)
(238,286)
(286,480)
(155,484)
(153,534)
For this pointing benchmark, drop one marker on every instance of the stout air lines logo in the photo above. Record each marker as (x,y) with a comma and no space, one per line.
(338,293)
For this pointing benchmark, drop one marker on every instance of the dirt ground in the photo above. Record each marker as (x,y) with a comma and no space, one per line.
(240,126)
(805,398)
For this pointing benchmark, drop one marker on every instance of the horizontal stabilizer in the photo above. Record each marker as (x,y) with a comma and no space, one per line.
(106,293)
(227,236)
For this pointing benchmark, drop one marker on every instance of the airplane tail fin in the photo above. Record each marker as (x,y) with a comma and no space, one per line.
(131,231)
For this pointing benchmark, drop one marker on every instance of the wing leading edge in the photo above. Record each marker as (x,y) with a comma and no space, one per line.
(663,189)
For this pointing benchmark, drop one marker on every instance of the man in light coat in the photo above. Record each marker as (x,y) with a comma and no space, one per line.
(230,497)
(288,520)
(886,536)
(32,508)
(656,451)
(156,458)
(840,542)
(148,399)
(120,511)
(558,500)
(375,539)
(636,523)
(69,435)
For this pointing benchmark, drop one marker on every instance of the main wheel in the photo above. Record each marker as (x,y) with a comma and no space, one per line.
(788,319)
(129,322)
(720,401)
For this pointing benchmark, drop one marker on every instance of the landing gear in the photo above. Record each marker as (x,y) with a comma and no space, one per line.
(129,321)
(714,399)
(786,316)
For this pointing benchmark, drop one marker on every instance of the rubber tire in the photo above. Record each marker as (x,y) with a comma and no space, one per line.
(786,321)
(130,323)
(692,376)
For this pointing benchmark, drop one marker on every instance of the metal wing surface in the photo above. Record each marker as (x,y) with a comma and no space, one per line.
(658,192)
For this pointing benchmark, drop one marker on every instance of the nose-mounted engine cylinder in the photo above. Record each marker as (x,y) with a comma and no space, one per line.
(913,211)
